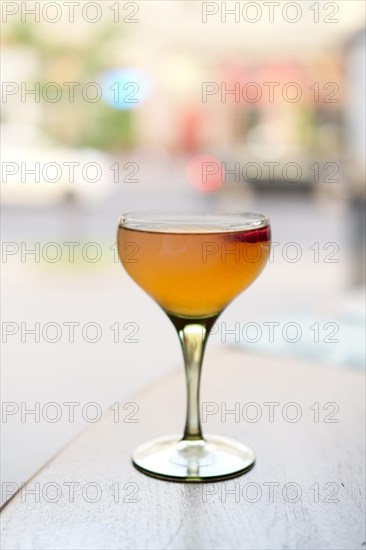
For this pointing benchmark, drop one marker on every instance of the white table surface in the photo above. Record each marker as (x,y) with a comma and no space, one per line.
(306,490)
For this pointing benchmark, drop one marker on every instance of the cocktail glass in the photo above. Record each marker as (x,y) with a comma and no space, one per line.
(193,266)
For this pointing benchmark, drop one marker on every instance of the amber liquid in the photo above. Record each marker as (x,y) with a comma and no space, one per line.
(193,273)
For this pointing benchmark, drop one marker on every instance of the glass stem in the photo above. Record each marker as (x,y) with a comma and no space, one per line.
(193,335)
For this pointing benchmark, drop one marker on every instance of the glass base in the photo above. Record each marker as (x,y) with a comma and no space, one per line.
(174,459)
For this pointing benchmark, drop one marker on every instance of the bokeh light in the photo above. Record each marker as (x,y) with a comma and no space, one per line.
(205,173)
(125,88)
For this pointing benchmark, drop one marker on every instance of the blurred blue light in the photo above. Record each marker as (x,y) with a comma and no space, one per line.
(125,88)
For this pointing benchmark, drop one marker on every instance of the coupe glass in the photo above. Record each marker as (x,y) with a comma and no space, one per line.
(193,266)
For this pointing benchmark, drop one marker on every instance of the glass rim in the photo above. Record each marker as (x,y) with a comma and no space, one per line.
(156,220)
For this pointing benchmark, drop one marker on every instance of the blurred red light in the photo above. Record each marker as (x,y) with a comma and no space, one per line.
(205,173)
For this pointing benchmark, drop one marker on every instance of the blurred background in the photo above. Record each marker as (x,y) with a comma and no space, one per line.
(118,106)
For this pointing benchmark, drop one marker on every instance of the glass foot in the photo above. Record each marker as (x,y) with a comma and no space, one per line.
(174,459)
